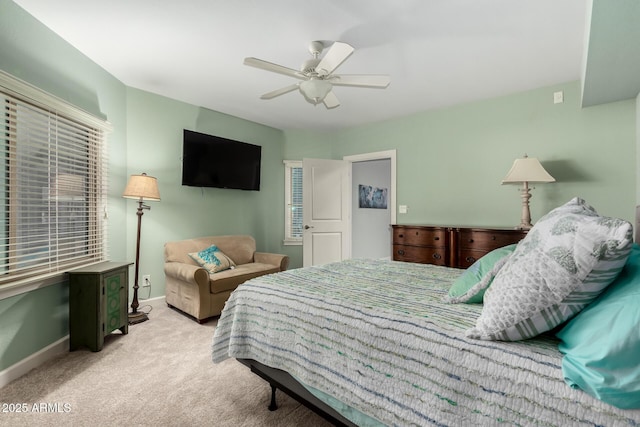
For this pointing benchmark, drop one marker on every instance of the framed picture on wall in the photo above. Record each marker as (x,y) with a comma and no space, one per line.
(370,197)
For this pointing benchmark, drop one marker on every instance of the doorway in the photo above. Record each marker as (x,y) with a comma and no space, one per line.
(372,174)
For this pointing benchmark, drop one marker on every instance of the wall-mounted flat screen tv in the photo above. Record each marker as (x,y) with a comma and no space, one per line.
(213,161)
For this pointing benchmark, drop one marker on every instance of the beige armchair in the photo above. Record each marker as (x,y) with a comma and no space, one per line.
(193,290)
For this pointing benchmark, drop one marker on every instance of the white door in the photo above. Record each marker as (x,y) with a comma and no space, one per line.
(326,205)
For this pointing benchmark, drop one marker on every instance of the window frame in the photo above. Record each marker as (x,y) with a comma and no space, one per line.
(14,89)
(289,166)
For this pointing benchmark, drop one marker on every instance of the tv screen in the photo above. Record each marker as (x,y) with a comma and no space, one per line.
(212,161)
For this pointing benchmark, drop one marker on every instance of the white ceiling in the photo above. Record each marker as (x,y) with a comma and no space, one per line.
(438,52)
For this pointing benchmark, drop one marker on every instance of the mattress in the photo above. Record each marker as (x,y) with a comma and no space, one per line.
(376,336)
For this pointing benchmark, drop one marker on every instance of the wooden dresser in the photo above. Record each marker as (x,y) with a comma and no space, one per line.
(450,246)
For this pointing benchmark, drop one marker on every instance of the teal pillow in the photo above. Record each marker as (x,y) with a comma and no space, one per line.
(213,259)
(601,345)
(463,289)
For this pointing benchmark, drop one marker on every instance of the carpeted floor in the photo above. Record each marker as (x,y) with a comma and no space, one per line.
(160,374)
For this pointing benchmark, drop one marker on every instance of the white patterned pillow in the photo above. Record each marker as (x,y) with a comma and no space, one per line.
(567,259)
(213,259)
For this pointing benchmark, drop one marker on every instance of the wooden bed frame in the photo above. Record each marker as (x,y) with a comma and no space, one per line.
(279,379)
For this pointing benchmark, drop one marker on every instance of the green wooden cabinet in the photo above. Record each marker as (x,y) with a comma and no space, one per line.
(98,303)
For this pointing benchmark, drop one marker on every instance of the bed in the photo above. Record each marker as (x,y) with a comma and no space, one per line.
(379,342)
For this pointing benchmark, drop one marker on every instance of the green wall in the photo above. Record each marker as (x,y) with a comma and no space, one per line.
(450,164)
(154,134)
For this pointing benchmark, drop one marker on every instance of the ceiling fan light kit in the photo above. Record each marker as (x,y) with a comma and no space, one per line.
(317,75)
(315,89)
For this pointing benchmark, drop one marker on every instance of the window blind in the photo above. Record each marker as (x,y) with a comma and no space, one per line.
(53,186)
(296,202)
(293,199)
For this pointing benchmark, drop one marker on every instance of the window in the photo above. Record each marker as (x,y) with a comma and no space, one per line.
(53,185)
(293,202)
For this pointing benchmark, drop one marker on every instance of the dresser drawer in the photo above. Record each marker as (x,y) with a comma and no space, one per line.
(423,255)
(419,236)
(467,257)
(487,240)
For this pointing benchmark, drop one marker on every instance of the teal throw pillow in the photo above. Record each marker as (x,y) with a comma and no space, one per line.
(212,259)
(464,289)
(601,345)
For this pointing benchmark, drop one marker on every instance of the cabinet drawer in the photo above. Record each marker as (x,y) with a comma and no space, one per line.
(419,236)
(487,240)
(423,255)
(467,257)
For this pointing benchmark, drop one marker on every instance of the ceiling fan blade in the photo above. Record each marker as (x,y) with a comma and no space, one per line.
(279,92)
(361,80)
(336,55)
(269,66)
(331,100)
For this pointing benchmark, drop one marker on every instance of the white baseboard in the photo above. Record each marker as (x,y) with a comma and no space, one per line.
(33,361)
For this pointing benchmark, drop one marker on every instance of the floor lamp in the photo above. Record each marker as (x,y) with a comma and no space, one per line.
(526,170)
(141,187)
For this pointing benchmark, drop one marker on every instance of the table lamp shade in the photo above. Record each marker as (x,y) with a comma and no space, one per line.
(527,169)
(143,187)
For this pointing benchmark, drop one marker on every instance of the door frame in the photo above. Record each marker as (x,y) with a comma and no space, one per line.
(378,155)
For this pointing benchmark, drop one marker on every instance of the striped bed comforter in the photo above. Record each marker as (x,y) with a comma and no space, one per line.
(376,335)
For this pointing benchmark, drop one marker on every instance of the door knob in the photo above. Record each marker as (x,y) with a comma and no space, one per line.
(306,227)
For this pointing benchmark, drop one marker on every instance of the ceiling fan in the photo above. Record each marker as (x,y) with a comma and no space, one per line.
(317,74)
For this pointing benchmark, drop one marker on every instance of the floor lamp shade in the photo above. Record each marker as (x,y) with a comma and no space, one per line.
(524,171)
(141,187)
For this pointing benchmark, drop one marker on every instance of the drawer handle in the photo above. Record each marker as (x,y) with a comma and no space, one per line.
(400,235)
(470,259)
(437,256)
(400,252)
(470,240)
(437,238)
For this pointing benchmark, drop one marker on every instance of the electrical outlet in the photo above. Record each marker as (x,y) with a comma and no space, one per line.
(146,280)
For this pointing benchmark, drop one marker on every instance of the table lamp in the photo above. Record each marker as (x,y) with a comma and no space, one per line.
(526,170)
